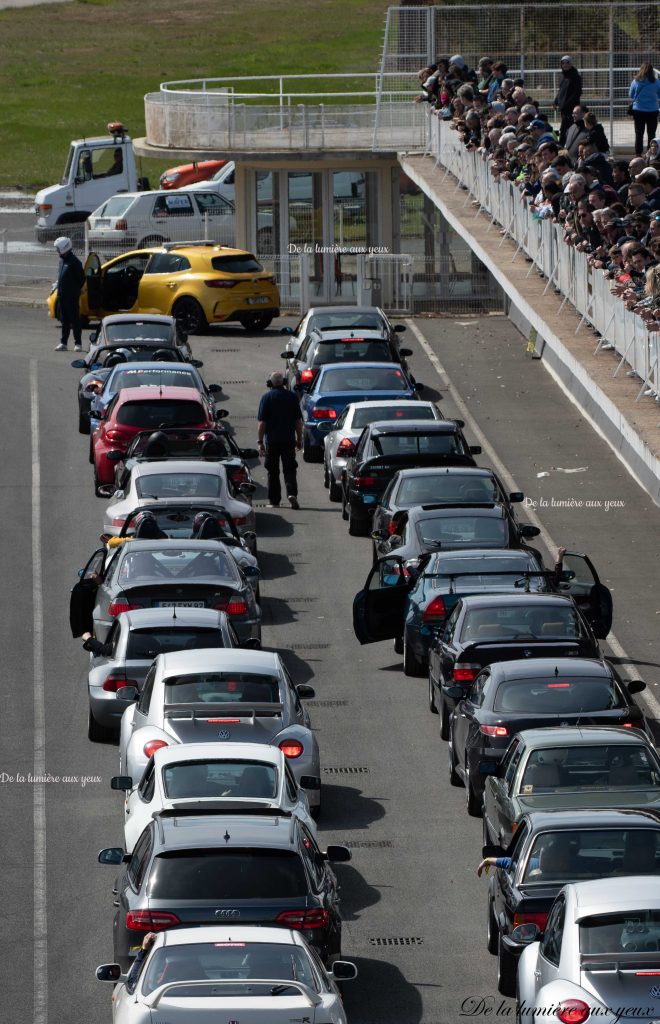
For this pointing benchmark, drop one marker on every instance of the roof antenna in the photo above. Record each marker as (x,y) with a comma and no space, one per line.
(174,611)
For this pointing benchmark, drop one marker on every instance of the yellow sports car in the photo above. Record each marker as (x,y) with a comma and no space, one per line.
(198,283)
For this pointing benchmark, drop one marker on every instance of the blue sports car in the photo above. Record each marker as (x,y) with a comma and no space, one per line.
(336,386)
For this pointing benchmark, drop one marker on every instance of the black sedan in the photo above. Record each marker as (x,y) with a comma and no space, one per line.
(386,447)
(323,347)
(485,629)
(510,696)
(550,849)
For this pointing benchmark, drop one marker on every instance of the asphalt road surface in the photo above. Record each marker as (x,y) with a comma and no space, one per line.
(414,910)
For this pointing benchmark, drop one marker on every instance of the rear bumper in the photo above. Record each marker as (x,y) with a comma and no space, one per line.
(106,707)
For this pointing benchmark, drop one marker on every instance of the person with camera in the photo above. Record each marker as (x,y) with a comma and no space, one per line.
(279,436)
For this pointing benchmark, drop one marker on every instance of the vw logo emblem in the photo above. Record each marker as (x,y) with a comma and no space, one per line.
(655,991)
(223,734)
(228,915)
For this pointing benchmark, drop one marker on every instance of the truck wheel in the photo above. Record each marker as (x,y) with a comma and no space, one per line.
(189,315)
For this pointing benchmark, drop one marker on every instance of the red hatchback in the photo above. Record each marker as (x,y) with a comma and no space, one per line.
(133,410)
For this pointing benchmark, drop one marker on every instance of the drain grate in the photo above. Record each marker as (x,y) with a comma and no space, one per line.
(327,703)
(223,350)
(307,647)
(369,844)
(235,382)
(302,600)
(398,940)
(346,769)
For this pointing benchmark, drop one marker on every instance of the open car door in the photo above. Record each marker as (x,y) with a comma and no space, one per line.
(590,595)
(378,609)
(94,284)
(83,595)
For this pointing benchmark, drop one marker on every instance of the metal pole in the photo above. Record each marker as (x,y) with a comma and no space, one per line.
(522,42)
(611,75)
(430,40)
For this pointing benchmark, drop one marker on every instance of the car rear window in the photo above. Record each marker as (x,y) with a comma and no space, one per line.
(444,488)
(156,412)
(521,622)
(473,531)
(246,264)
(629,932)
(189,779)
(363,379)
(136,331)
(172,563)
(350,351)
(178,485)
(236,874)
(223,961)
(417,444)
(149,643)
(144,378)
(441,567)
(345,321)
(582,854)
(363,417)
(556,695)
(608,766)
(115,206)
(222,687)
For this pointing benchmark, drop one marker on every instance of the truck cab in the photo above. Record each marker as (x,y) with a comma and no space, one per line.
(95,170)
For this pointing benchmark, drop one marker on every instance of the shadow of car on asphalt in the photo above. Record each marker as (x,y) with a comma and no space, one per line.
(272,525)
(346,807)
(275,566)
(356,893)
(381,994)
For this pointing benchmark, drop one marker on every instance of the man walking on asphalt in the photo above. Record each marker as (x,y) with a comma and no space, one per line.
(280,426)
(70,280)
(568,96)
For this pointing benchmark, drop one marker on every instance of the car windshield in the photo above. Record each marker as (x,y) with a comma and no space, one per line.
(227,874)
(557,695)
(632,931)
(376,413)
(444,566)
(366,378)
(147,644)
(444,488)
(172,563)
(581,854)
(515,622)
(179,485)
(580,767)
(228,961)
(222,687)
(139,330)
(350,350)
(189,779)
(152,413)
(136,378)
(417,444)
(343,320)
(471,531)
(237,264)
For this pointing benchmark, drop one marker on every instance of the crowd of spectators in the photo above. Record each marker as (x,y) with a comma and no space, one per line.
(608,208)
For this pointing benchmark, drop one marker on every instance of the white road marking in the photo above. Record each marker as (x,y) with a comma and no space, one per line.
(40,919)
(618,651)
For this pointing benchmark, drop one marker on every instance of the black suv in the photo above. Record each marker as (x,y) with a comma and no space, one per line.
(191,869)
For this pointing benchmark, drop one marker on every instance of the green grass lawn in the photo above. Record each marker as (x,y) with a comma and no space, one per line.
(67,69)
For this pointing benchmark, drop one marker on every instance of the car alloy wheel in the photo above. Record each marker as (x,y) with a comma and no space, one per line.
(189,315)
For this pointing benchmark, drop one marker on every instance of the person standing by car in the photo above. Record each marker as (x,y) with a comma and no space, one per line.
(70,279)
(280,426)
(644,93)
(568,96)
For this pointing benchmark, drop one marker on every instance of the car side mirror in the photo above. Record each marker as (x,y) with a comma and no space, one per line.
(288,354)
(112,972)
(249,453)
(113,855)
(197,363)
(475,449)
(310,782)
(343,970)
(379,535)
(221,414)
(305,692)
(127,693)
(529,531)
(118,495)
(214,389)
(492,850)
(460,423)
(287,330)
(516,496)
(521,936)
(247,488)
(105,490)
(635,686)
(124,783)
(400,328)
(79,364)
(566,575)
(455,692)
(338,854)
(405,351)
(94,337)
(252,643)
(114,455)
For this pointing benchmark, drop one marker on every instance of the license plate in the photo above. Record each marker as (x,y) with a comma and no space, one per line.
(101,222)
(180,604)
(258,300)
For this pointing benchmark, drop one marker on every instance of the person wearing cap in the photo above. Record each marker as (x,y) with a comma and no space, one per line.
(541,132)
(644,93)
(568,96)
(279,435)
(70,280)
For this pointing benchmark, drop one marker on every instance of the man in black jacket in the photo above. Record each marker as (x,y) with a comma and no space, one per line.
(568,95)
(280,427)
(70,279)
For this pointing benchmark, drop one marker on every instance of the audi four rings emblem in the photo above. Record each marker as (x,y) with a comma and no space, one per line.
(228,914)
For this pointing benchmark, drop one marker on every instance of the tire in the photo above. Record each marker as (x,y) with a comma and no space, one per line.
(485,835)
(507,969)
(189,315)
(91,450)
(256,321)
(310,452)
(492,931)
(454,779)
(151,241)
(444,719)
(315,812)
(83,422)
(334,490)
(398,645)
(356,527)
(326,475)
(472,801)
(344,509)
(412,666)
(98,733)
(432,705)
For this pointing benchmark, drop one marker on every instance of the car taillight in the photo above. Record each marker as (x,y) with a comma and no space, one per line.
(152,746)
(324,414)
(119,521)
(365,481)
(291,748)
(435,610)
(121,225)
(150,920)
(238,475)
(236,608)
(219,283)
(117,607)
(537,919)
(307,376)
(303,920)
(573,1011)
(240,520)
(465,673)
(116,436)
(500,731)
(345,448)
(627,725)
(116,682)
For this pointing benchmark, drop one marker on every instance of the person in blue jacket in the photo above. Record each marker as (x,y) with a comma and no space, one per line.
(645,95)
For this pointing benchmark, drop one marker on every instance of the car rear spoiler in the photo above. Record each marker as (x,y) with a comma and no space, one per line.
(536,641)
(153,1000)
(221,712)
(217,805)
(525,574)
(419,458)
(618,963)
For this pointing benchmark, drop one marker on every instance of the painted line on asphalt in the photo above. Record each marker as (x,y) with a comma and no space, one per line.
(617,650)
(40,918)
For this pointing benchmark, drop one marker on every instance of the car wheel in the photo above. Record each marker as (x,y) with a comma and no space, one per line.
(398,645)
(454,779)
(98,733)
(485,834)
(412,666)
(334,490)
(472,801)
(444,719)
(506,970)
(256,321)
(151,241)
(315,812)
(189,316)
(432,705)
(91,449)
(83,422)
(356,526)
(326,475)
(344,509)
(97,484)
(492,931)
(310,452)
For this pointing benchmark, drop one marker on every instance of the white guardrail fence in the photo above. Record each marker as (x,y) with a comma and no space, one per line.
(564,268)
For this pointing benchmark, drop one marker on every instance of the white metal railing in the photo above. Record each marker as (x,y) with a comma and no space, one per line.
(564,267)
